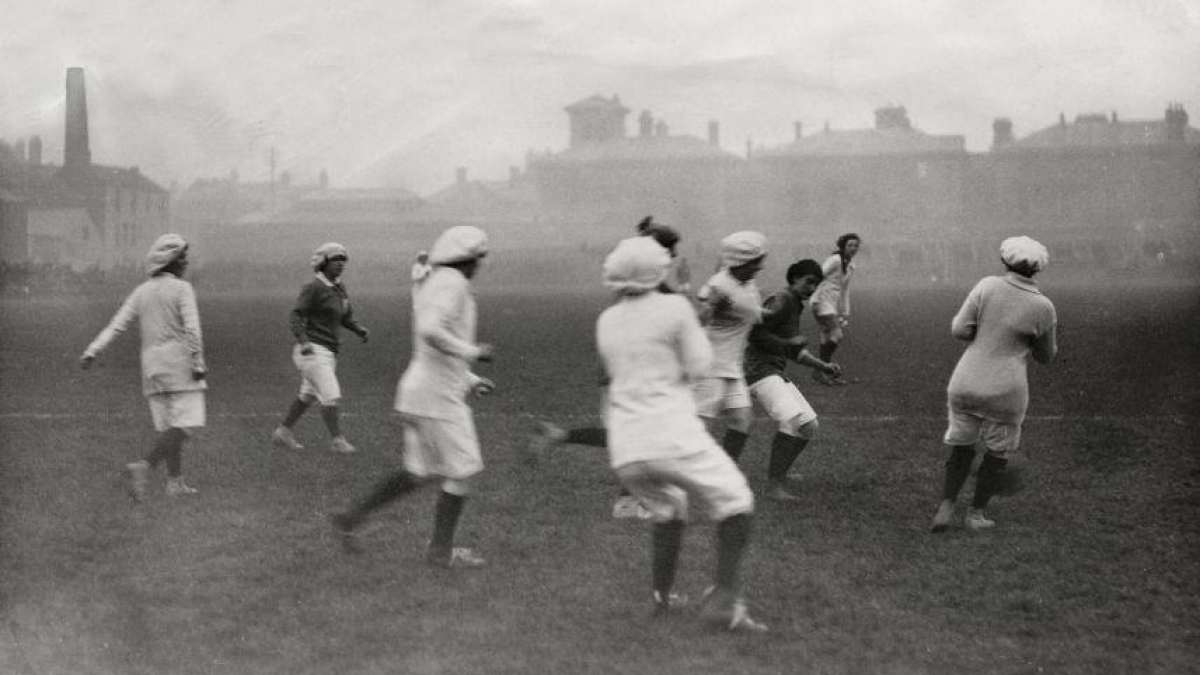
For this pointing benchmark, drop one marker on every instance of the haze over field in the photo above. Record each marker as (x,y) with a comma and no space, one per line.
(399,94)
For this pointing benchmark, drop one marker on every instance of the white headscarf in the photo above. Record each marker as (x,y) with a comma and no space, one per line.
(1018,251)
(326,251)
(164,251)
(636,264)
(742,247)
(459,244)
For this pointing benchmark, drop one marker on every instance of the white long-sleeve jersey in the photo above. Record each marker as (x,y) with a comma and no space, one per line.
(439,377)
(652,346)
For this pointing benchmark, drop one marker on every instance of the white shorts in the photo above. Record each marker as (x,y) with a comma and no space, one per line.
(441,447)
(318,374)
(177,410)
(715,395)
(827,321)
(998,437)
(782,400)
(710,477)
(821,308)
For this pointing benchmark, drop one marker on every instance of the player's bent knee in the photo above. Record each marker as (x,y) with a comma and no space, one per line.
(457,486)
(807,430)
(743,504)
(740,419)
(791,426)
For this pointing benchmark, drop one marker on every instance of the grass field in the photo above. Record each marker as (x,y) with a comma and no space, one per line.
(1093,569)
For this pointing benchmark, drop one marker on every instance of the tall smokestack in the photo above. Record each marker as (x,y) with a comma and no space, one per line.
(76,154)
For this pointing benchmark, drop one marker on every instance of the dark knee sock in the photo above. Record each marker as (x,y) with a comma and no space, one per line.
(987,483)
(734,442)
(784,451)
(175,462)
(166,448)
(958,467)
(733,536)
(295,412)
(393,487)
(175,454)
(827,350)
(666,541)
(445,520)
(159,452)
(593,436)
(332,417)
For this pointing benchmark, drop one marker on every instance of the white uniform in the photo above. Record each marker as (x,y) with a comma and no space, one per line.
(172,349)
(652,345)
(440,435)
(732,308)
(1004,318)
(832,297)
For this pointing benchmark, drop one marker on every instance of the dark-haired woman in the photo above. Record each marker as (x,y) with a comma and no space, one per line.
(831,302)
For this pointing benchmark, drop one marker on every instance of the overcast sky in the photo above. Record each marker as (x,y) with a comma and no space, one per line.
(399,93)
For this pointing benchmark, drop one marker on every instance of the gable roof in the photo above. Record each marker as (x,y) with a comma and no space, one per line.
(641,149)
(129,178)
(485,191)
(41,186)
(1097,131)
(597,102)
(867,142)
(341,206)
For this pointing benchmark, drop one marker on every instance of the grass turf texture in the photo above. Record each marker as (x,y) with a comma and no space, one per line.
(1090,569)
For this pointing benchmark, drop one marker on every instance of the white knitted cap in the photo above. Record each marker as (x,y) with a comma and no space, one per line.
(458,244)
(637,263)
(164,251)
(1017,251)
(742,247)
(326,251)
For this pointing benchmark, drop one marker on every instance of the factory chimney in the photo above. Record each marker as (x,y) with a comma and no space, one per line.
(76,154)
